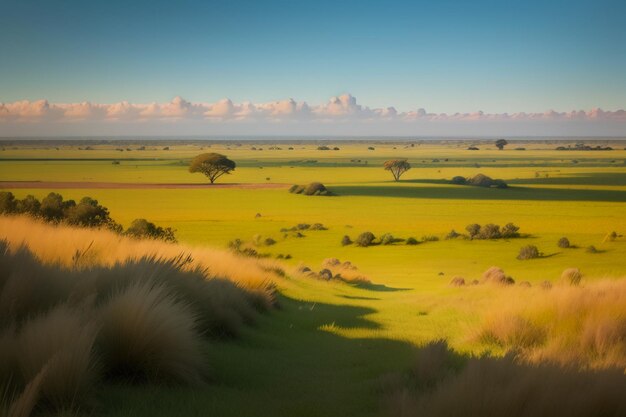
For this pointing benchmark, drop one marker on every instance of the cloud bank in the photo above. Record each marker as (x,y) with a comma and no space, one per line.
(342,115)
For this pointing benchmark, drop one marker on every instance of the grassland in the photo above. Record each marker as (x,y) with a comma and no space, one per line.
(325,351)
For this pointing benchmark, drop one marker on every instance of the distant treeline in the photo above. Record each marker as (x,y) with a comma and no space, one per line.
(86,213)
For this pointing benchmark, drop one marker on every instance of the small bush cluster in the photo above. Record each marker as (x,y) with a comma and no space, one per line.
(304,226)
(314,188)
(479,180)
(491,231)
(88,212)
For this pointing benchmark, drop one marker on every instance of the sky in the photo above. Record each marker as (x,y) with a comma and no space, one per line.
(312,67)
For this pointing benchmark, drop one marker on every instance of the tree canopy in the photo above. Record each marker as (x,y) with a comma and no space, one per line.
(397,167)
(213,165)
(501,143)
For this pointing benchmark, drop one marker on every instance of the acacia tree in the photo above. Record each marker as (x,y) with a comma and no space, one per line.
(501,143)
(213,165)
(397,167)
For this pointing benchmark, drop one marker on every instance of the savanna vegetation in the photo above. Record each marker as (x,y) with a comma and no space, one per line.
(394,298)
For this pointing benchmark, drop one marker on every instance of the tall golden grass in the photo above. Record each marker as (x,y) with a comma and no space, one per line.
(583,326)
(445,384)
(81,247)
(80,305)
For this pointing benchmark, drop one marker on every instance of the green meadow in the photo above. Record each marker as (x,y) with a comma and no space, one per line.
(324,351)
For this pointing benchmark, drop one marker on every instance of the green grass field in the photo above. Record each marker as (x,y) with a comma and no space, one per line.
(324,351)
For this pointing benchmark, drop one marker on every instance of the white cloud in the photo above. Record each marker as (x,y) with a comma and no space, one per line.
(343,110)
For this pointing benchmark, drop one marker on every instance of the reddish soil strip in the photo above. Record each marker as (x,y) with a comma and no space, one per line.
(127,185)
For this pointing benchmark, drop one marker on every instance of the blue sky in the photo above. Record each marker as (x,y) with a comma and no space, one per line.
(444,56)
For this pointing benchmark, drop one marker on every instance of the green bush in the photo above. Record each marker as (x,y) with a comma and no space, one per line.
(528,252)
(387,239)
(510,231)
(365,239)
(142,228)
(490,231)
(473,230)
(563,243)
(452,235)
(412,241)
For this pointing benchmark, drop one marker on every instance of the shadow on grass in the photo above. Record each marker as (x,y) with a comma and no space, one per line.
(369,286)
(294,363)
(355,297)
(480,193)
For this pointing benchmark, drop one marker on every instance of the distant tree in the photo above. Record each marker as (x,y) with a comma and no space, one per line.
(88,213)
(397,167)
(52,207)
(473,230)
(501,143)
(28,205)
(213,165)
(7,202)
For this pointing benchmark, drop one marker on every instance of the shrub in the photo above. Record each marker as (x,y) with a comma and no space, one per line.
(430,238)
(459,180)
(452,235)
(323,148)
(141,229)
(510,231)
(571,276)
(345,241)
(591,249)
(411,241)
(365,239)
(563,243)
(473,230)
(318,226)
(269,241)
(490,231)
(481,180)
(293,188)
(387,239)
(326,274)
(314,188)
(528,252)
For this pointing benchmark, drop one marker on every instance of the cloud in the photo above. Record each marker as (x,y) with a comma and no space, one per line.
(343,110)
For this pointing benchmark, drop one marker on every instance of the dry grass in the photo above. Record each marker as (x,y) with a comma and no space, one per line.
(583,326)
(444,384)
(77,308)
(61,343)
(147,334)
(79,247)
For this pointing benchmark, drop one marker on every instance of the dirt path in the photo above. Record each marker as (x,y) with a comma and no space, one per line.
(126,185)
